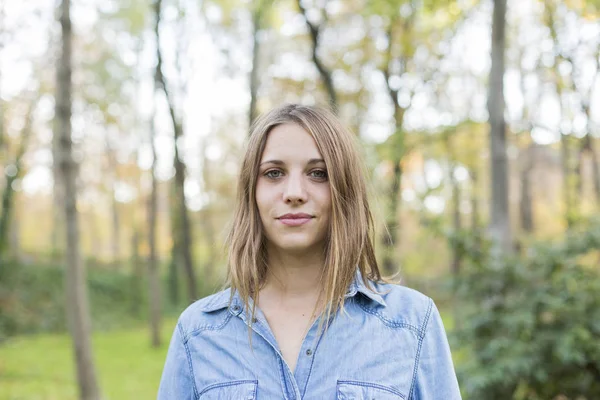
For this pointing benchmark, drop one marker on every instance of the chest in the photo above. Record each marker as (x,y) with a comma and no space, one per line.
(357,358)
(289,329)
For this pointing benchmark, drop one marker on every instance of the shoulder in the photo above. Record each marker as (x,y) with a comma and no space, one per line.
(402,307)
(208,313)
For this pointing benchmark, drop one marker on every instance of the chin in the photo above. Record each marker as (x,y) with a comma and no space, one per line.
(295,246)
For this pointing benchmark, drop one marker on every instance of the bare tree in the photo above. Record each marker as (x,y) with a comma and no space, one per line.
(112,168)
(587,144)
(315,32)
(153,278)
(457,252)
(258,12)
(526,201)
(208,227)
(527,156)
(78,314)
(499,227)
(568,169)
(136,272)
(397,58)
(186,242)
(2,144)
(12,174)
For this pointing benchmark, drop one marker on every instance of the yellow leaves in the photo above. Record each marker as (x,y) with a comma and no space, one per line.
(587,9)
(453,10)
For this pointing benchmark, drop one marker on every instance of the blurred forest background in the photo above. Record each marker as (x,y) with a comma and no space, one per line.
(480,125)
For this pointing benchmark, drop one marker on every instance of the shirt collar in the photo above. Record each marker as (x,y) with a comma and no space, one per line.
(218,301)
(359,286)
(221,300)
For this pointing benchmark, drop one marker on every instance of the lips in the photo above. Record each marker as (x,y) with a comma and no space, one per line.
(295,219)
(295,216)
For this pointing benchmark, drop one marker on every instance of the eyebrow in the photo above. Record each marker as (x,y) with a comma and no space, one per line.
(279,162)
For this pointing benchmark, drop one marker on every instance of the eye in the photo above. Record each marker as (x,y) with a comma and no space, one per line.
(319,174)
(273,174)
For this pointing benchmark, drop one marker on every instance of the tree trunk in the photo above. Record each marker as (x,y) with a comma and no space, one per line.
(474,201)
(457,252)
(174,292)
(186,241)
(397,142)
(578,169)
(500,216)
(570,212)
(394,209)
(325,74)
(175,259)
(526,201)
(565,152)
(587,146)
(207,223)
(91,223)
(15,236)
(153,276)
(596,175)
(256,26)
(475,217)
(455,244)
(116,232)
(58,196)
(457,226)
(6,216)
(136,274)
(590,146)
(566,167)
(78,314)
(115,220)
(2,30)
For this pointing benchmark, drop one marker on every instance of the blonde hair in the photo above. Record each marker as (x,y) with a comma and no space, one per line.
(349,242)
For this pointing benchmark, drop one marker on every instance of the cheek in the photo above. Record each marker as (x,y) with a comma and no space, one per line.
(325,200)
(262,198)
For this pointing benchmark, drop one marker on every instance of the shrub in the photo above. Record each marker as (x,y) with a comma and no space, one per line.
(530,325)
(32,299)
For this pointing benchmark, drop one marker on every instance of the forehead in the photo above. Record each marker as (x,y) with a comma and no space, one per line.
(290,141)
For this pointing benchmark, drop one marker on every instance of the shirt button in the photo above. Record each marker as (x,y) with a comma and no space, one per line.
(236,308)
(254,320)
(309,352)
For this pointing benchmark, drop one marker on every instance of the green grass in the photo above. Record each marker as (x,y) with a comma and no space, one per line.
(41,366)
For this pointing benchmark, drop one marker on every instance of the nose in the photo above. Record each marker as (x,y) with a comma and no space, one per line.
(294,191)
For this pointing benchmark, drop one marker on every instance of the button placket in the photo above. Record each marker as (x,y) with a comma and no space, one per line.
(307,355)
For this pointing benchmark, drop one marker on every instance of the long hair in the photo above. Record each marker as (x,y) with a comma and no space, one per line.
(349,241)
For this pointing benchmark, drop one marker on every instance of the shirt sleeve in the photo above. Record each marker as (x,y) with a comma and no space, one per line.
(435,377)
(177,380)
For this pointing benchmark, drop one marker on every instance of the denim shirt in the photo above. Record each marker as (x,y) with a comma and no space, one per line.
(385,346)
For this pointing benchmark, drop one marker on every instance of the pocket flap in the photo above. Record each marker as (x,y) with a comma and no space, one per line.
(356,390)
(235,390)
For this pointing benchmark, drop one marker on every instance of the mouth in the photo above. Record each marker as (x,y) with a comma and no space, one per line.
(295,219)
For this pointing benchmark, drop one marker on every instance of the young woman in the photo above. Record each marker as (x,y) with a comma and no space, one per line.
(307,315)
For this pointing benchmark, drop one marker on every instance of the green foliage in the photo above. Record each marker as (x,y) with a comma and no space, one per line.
(32,299)
(531,324)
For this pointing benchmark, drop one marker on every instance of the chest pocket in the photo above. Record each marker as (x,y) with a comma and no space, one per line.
(354,390)
(235,390)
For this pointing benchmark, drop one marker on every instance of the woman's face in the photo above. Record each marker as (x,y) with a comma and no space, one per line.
(292,191)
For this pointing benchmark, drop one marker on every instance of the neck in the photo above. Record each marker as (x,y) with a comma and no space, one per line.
(295,275)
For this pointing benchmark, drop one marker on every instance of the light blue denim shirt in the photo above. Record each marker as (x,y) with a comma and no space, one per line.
(386,346)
